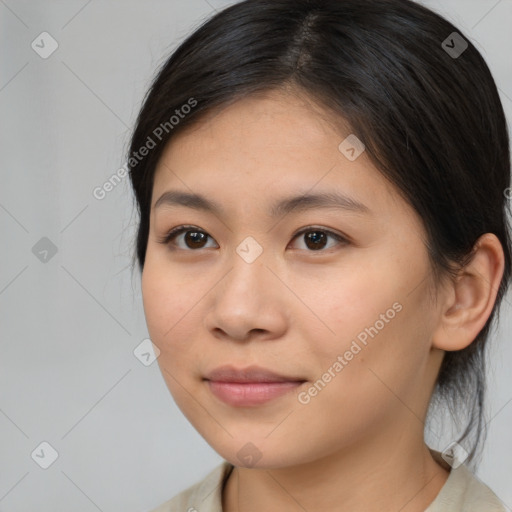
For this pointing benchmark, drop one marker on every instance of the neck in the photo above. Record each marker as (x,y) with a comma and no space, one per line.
(391,474)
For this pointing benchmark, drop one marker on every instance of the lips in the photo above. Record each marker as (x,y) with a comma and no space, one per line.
(228,373)
(250,386)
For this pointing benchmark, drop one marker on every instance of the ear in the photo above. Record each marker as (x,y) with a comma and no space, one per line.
(469,300)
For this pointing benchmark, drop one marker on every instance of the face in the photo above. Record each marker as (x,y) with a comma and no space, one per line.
(333,297)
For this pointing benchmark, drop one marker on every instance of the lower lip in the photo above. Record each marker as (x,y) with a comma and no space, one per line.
(250,393)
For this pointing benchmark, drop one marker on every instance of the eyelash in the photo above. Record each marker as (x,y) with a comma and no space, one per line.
(173,233)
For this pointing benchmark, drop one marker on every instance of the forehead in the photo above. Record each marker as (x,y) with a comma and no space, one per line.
(270,118)
(273,142)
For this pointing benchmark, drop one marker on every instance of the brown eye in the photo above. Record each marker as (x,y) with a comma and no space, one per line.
(316,239)
(194,238)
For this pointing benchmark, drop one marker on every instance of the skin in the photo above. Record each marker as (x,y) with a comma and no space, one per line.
(359,443)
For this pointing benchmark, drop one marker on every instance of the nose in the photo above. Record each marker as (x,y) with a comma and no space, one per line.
(249,301)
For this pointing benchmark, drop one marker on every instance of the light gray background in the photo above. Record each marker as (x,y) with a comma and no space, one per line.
(68,327)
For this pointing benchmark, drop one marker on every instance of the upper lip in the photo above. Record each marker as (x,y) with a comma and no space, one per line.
(228,373)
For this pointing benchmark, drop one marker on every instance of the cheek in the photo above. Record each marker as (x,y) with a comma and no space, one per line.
(157,302)
(168,311)
(357,383)
(166,295)
(348,303)
(372,321)
(167,318)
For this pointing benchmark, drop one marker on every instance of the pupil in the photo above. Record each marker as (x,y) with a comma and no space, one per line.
(317,238)
(192,237)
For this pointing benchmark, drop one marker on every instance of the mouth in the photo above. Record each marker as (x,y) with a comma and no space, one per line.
(249,394)
(249,374)
(250,386)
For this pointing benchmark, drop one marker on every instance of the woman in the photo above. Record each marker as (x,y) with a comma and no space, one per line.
(324,245)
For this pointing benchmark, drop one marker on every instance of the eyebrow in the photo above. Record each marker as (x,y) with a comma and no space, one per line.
(325,200)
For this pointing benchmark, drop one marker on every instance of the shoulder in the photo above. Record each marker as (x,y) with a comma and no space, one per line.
(463,491)
(204,496)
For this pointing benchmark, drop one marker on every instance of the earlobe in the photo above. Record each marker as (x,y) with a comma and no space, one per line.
(471,296)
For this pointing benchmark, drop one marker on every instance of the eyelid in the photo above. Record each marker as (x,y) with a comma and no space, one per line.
(334,234)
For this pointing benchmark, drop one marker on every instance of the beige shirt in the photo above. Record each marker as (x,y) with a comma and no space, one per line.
(462,492)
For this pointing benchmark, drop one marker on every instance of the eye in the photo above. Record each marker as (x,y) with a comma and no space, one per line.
(316,238)
(194,237)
